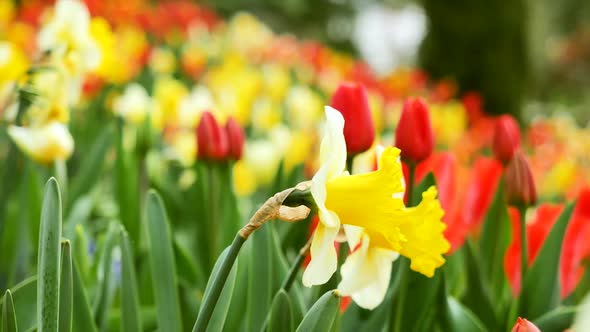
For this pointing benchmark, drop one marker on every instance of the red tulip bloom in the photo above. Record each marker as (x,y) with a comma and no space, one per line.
(506,138)
(235,134)
(212,140)
(414,135)
(351,100)
(520,185)
(537,230)
(480,190)
(523,325)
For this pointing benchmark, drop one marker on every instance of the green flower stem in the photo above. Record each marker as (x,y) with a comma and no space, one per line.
(286,285)
(404,264)
(523,244)
(210,301)
(349,161)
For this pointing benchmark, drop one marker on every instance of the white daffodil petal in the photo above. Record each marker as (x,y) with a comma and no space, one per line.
(318,191)
(366,274)
(323,256)
(44,144)
(353,235)
(333,146)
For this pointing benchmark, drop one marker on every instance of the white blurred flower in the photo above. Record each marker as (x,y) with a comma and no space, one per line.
(44,144)
(67,36)
(193,105)
(134,104)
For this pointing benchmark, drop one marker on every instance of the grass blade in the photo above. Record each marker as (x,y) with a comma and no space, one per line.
(48,266)
(162,265)
(129,298)
(322,314)
(66,298)
(8,314)
(82,320)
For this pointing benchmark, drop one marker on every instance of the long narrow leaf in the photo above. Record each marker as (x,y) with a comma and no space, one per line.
(280,316)
(540,292)
(48,267)
(162,265)
(82,320)
(66,298)
(8,315)
(322,314)
(129,297)
(222,307)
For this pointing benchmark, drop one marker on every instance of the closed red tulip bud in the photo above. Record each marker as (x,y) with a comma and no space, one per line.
(413,135)
(506,138)
(212,140)
(235,134)
(520,185)
(523,325)
(351,100)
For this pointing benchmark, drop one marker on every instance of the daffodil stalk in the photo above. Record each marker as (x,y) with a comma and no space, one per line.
(278,207)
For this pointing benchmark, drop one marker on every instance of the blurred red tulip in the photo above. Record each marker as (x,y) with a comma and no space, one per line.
(350,99)
(480,190)
(235,134)
(576,247)
(506,138)
(523,325)
(520,185)
(414,135)
(212,140)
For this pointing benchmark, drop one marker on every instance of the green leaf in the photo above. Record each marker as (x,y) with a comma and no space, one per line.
(495,238)
(239,298)
(281,317)
(222,307)
(66,298)
(476,296)
(126,188)
(162,265)
(48,267)
(24,296)
(544,273)
(82,318)
(322,314)
(129,298)
(461,318)
(581,289)
(105,286)
(260,278)
(91,166)
(558,319)
(426,183)
(8,314)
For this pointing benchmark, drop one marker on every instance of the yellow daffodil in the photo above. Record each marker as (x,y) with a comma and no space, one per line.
(67,36)
(44,144)
(370,207)
(13,62)
(162,61)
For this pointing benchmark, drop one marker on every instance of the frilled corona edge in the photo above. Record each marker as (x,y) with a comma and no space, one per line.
(273,208)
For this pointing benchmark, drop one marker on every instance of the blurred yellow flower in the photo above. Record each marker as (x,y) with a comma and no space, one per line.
(168,92)
(13,63)
(244,179)
(162,61)
(449,122)
(304,106)
(47,143)
(265,115)
(248,35)
(559,178)
(277,80)
(183,147)
(193,105)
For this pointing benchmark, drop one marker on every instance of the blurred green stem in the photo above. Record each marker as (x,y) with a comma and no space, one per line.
(295,266)
(349,162)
